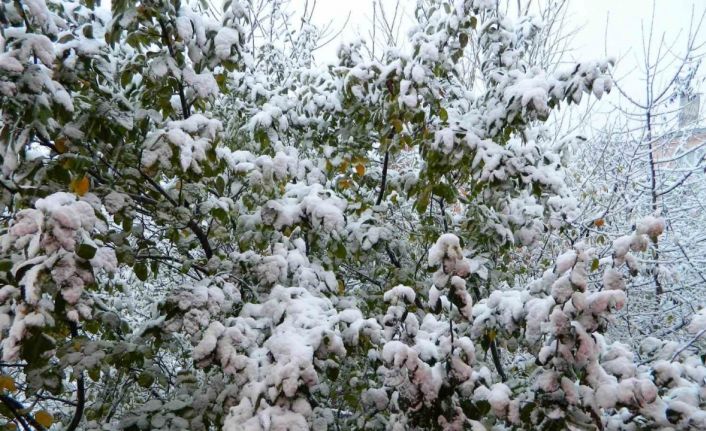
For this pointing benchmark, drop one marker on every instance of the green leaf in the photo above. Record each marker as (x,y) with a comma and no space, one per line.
(594,264)
(340,251)
(154,267)
(332,373)
(526,412)
(419,118)
(86,251)
(220,214)
(475,410)
(463,39)
(445,191)
(5,265)
(125,78)
(88,31)
(127,224)
(443,115)
(91,326)
(34,347)
(94,373)
(397,124)
(140,270)
(423,201)
(220,185)
(145,379)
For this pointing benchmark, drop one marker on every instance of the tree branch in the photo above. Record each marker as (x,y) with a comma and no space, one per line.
(16,408)
(686,346)
(195,228)
(186,112)
(80,391)
(10,404)
(384,178)
(80,403)
(496,360)
(392,257)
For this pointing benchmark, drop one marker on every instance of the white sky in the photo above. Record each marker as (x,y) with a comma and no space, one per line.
(624,33)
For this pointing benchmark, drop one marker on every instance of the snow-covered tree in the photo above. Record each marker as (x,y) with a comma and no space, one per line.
(649,158)
(203,229)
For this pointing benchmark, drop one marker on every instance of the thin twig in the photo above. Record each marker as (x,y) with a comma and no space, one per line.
(687,345)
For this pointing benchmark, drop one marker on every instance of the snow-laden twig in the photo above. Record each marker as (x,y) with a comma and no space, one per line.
(687,345)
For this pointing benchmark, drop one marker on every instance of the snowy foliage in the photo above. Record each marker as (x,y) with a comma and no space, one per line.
(203,229)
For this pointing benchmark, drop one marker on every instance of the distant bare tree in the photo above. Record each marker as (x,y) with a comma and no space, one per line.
(650,159)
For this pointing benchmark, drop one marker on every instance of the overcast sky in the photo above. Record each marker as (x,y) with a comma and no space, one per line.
(624,24)
(620,20)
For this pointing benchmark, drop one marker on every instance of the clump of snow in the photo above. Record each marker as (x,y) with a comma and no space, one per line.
(698,322)
(400,293)
(190,139)
(613,279)
(204,84)
(565,262)
(499,399)
(226,39)
(651,226)
(306,203)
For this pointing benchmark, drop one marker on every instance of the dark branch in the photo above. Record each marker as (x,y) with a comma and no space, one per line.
(384,178)
(80,392)
(395,261)
(195,228)
(496,360)
(17,408)
(80,403)
(182,97)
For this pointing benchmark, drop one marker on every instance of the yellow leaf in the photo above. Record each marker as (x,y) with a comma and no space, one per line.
(7,382)
(151,170)
(397,124)
(491,335)
(343,167)
(344,183)
(80,185)
(360,169)
(44,418)
(341,287)
(61,145)
(10,426)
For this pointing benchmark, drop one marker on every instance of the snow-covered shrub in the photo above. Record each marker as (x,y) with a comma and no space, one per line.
(202,229)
